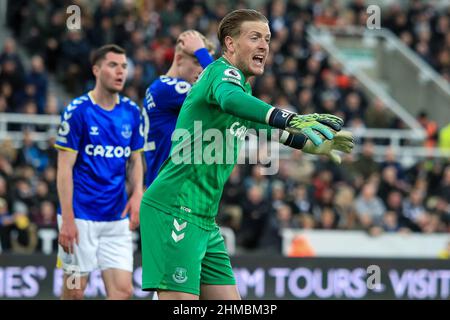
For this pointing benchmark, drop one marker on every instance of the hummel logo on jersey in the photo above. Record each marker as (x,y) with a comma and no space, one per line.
(176,237)
(71,107)
(94,131)
(67,116)
(178,227)
(77,101)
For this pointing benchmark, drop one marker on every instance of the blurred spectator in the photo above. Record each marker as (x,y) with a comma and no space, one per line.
(6,224)
(302,202)
(444,185)
(271,240)
(230,214)
(327,219)
(257,178)
(255,212)
(344,204)
(23,235)
(4,190)
(10,53)
(445,253)
(12,81)
(23,192)
(389,182)
(414,210)
(278,195)
(321,183)
(46,216)
(444,138)
(377,116)
(369,207)
(352,107)
(431,129)
(3,104)
(390,159)
(394,202)
(75,61)
(38,79)
(365,164)
(7,150)
(300,168)
(31,154)
(391,223)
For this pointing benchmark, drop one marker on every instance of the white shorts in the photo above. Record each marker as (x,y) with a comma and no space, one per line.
(102,245)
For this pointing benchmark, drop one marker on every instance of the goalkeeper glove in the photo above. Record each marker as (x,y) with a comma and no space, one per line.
(306,124)
(343,141)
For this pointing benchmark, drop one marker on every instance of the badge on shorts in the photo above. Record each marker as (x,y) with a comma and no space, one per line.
(180,275)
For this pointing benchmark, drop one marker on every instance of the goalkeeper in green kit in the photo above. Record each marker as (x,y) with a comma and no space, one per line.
(183,252)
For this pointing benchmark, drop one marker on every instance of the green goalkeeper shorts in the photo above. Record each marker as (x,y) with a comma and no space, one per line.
(180,256)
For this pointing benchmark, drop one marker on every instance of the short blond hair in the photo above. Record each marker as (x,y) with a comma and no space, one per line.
(231,23)
(209,45)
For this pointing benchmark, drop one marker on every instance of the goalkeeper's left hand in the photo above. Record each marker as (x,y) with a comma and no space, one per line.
(312,124)
(342,141)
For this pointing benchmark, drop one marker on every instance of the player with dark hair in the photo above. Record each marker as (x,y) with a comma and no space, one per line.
(99,135)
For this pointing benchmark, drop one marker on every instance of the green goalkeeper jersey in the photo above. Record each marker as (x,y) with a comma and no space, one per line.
(210,130)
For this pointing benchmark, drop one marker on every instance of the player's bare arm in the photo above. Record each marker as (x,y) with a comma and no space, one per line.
(64,179)
(135,172)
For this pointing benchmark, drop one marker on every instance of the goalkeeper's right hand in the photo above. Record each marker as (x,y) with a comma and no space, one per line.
(308,124)
(343,141)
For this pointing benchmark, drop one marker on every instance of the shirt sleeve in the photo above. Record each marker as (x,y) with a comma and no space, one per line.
(169,95)
(137,138)
(232,98)
(203,57)
(70,129)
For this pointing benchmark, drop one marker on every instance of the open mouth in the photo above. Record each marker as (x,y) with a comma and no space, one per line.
(258,59)
(119,81)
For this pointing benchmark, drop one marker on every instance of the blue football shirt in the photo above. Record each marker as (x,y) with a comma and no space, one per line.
(104,141)
(162,104)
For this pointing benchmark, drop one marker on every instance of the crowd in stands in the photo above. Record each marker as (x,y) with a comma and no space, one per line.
(309,193)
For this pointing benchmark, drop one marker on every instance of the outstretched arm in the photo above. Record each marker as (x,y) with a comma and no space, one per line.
(342,141)
(232,99)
